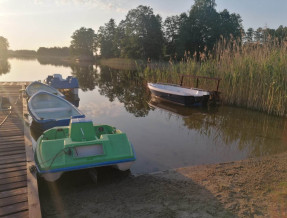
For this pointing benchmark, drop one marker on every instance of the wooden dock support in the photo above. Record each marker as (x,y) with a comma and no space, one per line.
(18,186)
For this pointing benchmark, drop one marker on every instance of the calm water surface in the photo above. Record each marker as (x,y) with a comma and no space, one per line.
(164,135)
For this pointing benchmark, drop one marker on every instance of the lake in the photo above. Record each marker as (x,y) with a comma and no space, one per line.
(164,135)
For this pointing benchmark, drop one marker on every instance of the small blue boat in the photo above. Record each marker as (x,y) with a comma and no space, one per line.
(49,110)
(57,82)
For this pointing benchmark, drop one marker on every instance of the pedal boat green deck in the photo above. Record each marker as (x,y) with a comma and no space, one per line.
(81,145)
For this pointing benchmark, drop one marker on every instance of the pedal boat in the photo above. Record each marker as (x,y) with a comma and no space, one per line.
(81,145)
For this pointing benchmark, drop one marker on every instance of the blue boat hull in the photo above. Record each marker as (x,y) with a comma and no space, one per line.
(48,124)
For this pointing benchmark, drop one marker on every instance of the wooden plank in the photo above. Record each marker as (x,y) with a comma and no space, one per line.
(11,209)
(14,179)
(7,127)
(13,185)
(11,133)
(7,144)
(13,165)
(15,157)
(8,161)
(11,139)
(13,199)
(32,183)
(12,169)
(15,148)
(19,191)
(21,214)
(6,153)
(12,174)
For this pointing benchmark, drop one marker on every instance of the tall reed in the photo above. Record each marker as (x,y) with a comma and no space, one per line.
(253,75)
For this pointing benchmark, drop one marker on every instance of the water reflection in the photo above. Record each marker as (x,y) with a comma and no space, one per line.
(54,61)
(4,66)
(127,87)
(252,131)
(256,133)
(86,74)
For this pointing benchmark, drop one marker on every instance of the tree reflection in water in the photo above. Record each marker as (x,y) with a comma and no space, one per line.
(127,87)
(86,74)
(4,66)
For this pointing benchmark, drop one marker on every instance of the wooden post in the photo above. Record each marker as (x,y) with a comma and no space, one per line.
(217,85)
(181,80)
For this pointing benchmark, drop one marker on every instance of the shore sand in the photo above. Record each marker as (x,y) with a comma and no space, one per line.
(254,187)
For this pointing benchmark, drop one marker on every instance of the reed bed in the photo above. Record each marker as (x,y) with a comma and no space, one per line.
(253,75)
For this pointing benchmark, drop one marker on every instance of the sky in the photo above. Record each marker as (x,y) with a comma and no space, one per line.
(30,24)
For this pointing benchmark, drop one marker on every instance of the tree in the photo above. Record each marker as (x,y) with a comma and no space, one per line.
(230,25)
(4,45)
(83,42)
(204,26)
(201,30)
(172,26)
(141,34)
(108,40)
(249,35)
(258,35)
(281,33)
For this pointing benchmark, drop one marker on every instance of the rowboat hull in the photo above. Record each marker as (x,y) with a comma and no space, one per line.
(36,86)
(179,95)
(48,110)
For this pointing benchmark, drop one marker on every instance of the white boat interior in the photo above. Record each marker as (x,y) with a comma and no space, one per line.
(48,106)
(176,90)
(38,86)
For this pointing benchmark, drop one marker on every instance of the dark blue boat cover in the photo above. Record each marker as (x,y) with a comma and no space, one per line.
(59,83)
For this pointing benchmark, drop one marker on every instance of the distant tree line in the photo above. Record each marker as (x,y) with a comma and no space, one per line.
(22,53)
(262,35)
(142,34)
(54,51)
(42,51)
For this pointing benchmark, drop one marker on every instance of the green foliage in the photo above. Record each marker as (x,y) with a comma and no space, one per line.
(141,34)
(172,25)
(4,45)
(204,27)
(108,40)
(83,42)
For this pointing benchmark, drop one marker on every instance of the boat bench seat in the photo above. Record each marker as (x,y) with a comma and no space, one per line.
(49,110)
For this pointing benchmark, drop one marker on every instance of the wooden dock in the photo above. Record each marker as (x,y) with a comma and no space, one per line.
(18,186)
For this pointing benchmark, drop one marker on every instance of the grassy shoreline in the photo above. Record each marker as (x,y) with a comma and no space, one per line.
(253,77)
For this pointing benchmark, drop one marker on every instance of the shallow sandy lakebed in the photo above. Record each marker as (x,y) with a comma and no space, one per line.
(249,188)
